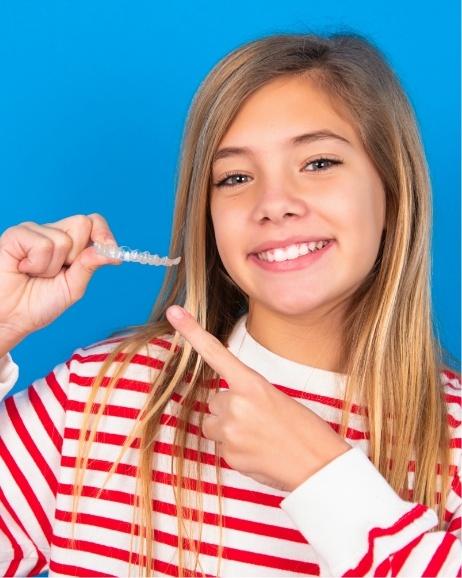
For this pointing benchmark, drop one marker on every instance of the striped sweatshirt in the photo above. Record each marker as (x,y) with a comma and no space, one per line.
(343,521)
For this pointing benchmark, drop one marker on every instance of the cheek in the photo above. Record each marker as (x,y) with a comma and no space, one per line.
(225,230)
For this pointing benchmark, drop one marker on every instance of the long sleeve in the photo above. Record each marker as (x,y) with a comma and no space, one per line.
(8,374)
(31,424)
(360,527)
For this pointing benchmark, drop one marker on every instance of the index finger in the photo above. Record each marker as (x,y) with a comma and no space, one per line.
(83,230)
(208,347)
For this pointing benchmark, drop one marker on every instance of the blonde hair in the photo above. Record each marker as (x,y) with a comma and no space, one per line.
(393,357)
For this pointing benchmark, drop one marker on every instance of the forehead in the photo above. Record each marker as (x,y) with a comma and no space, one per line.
(284,107)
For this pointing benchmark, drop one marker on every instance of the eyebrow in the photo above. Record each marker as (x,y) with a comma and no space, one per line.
(297,140)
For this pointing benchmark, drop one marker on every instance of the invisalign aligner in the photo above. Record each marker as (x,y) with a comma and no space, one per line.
(126,254)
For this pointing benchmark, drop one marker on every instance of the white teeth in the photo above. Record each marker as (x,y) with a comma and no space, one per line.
(280,255)
(291,252)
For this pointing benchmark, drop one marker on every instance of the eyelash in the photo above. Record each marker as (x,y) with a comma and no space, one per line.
(222,182)
(331,163)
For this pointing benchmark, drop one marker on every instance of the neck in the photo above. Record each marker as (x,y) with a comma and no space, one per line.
(314,340)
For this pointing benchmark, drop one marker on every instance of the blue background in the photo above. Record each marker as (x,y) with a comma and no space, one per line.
(93,97)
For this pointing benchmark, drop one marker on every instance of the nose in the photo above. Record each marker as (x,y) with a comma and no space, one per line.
(277,203)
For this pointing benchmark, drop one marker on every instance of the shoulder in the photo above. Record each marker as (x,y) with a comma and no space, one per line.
(136,361)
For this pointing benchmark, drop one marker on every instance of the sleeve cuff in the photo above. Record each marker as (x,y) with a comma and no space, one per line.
(337,508)
(9,372)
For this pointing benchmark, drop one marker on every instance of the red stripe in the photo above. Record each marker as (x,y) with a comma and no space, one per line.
(104,550)
(455,525)
(101,466)
(242,495)
(457,486)
(111,410)
(451,375)
(400,557)
(102,438)
(352,434)
(453,399)
(208,518)
(111,552)
(137,359)
(26,490)
(455,443)
(366,562)
(315,397)
(172,570)
(115,496)
(243,556)
(45,419)
(453,422)
(382,569)
(440,556)
(56,389)
(29,443)
(122,383)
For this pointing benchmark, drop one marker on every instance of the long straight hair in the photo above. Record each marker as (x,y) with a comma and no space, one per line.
(393,358)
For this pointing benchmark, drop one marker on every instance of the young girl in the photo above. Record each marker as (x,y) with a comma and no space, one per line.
(284,411)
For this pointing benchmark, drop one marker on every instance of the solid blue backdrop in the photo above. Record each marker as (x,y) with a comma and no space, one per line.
(93,98)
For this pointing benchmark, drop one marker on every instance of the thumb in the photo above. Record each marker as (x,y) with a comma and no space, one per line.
(80,272)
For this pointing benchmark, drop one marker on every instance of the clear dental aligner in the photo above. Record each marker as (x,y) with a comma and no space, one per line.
(127,254)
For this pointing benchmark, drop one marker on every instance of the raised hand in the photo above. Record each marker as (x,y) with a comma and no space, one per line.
(44,269)
(261,432)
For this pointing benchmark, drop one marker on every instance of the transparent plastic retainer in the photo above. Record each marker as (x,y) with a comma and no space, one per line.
(127,254)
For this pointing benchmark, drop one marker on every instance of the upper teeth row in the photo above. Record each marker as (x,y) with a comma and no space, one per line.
(291,252)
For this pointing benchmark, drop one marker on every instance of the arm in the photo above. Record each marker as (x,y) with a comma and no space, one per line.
(360,527)
(44,269)
(31,430)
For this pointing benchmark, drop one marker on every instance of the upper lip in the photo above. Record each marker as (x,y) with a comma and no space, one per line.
(281,244)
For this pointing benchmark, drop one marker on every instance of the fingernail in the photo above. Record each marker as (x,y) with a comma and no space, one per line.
(176,312)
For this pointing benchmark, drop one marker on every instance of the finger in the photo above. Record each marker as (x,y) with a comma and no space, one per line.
(83,230)
(79,274)
(25,248)
(210,349)
(46,249)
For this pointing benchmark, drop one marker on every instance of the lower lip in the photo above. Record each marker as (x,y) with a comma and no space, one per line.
(292,264)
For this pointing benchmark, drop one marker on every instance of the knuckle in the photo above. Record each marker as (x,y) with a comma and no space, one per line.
(82,223)
(213,347)
(44,245)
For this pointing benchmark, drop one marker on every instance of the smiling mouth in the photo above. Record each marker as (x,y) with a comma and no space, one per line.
(291,252)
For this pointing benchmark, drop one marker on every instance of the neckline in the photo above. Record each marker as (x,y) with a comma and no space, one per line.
(279,370)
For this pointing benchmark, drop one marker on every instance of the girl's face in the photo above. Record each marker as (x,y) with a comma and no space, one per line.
(297,206)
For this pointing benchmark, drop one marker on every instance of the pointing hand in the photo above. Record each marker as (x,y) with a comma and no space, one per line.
(261,432)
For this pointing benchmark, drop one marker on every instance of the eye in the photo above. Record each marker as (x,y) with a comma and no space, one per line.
(321,164)
(233,180)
